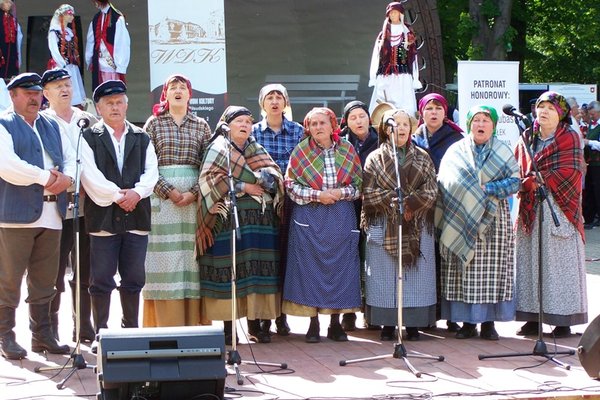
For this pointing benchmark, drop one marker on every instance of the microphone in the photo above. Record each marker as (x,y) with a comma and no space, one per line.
(513,112)
(391,122)
(83,122)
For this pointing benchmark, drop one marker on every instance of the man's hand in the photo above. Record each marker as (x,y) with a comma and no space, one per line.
(187,198)
(58,182)
(129,200)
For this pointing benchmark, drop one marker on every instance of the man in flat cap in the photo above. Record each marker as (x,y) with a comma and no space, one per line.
(58,90)
(119,174)
(36,168)
(107,50)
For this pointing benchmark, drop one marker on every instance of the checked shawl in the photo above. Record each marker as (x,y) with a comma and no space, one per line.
(464,211)
(560,164)
(213,211)
(307,164)
(419,189)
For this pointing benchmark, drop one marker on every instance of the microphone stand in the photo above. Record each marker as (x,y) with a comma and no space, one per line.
(233,356)
(399,349)
(540,349)
(77,360)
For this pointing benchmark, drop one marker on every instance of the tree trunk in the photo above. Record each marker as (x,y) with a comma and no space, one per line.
(490,36)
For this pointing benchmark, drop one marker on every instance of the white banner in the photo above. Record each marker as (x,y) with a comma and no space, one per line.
(584,94)
(189,39)
(494,84)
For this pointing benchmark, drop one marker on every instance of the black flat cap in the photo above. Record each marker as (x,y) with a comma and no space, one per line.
(108,88)
(26,80)
(55,74)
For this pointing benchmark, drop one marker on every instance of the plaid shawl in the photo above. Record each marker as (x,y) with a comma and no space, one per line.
(419,188)
(306,165)
(213,210)
(464,211)
(560,164)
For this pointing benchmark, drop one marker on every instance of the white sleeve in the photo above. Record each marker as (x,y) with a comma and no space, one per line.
(19,42)
(415,74)
(594,145)
(54,50)
(122,49)
(102,191)
(13,169)
(69,157)
(374,62)
(148,180)
(89,46)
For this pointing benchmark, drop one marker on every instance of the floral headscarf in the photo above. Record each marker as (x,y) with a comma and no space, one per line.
(558,101)
(332,118)
(487,110)
(163,106)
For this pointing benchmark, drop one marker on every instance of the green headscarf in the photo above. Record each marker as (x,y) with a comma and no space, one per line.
(489,111)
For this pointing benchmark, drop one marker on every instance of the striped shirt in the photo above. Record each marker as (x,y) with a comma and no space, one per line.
(177,145)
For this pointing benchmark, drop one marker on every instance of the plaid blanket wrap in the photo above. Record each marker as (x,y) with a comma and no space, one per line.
(213,210)
(464,211)
(419,188)
(307,164)
(561,166)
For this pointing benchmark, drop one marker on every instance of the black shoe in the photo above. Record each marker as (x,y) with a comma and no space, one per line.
(561,332)
(256,334)
(412,334)
(488,331)
(336,333)
(349,322)
(388,334)
(265,326)
(283,329)
(312,335)
(530,328)
(467,331)
(10,349)
(452,326)
(588,226)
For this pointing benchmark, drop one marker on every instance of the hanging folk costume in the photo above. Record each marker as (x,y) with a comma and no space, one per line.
(394,71)
(64,49)
(257,254)
(380,221)
(107,49)
(11,39)
(323,274)
(172,290)
(559,160)
(476,239)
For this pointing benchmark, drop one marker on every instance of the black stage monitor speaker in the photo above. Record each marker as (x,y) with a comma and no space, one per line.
(161,363)
(589,349)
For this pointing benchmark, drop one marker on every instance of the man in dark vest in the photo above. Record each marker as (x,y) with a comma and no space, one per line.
(36,168)
(108,45)
(120,170)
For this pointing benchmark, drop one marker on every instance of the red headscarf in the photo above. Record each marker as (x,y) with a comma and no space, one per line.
(332,119)
(163,106)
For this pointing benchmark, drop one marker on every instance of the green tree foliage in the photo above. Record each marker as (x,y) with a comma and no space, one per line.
(554,40)
(563,41)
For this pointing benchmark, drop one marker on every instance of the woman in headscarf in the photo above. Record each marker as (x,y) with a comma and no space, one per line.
(323,179)
(435,134)
(278,135)
(258,185)
(64,49)
(172,290)
(380,221)
(476,240)
(557,151)
(356,127)
(394,71)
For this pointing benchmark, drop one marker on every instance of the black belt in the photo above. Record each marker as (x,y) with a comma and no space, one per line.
(50,197)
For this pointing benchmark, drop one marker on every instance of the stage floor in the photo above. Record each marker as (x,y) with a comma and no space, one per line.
(314,370)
